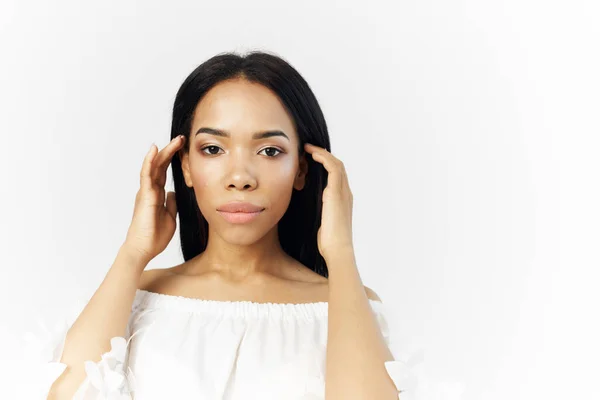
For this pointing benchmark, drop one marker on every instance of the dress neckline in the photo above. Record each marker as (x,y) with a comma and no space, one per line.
(153,300)
(196,299)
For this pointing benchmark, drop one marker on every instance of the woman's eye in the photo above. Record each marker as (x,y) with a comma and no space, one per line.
(272,148)
(208,147)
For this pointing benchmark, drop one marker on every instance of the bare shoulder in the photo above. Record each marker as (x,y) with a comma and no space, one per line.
(301,273)
(371,294)
(305,275)
(151,277)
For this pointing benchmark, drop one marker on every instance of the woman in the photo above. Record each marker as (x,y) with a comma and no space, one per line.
(268,303)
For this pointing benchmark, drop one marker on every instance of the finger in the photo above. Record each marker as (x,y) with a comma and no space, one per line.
(335,168)
(163,159)
(146,172)
(171,204)
(311,148)
(324,157)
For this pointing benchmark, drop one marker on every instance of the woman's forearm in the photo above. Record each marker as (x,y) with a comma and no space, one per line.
(105,316)
(356,349)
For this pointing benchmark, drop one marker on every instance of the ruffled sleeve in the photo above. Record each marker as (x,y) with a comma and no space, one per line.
(399,371)
(408,373)
(108,379)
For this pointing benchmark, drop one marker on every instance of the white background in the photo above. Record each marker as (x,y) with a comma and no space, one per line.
(469,130)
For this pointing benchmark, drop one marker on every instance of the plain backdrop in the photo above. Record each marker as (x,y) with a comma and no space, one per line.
(469,130)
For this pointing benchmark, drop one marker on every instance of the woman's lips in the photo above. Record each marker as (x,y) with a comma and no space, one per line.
(239,217)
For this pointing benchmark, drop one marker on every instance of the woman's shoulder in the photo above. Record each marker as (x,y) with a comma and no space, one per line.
(150,277)
(307,285)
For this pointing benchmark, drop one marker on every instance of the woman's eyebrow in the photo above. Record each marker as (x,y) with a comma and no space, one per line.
(255,136)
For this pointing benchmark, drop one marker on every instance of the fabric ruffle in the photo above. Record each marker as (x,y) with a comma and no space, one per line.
(408,373)
(105,380)
(111,379)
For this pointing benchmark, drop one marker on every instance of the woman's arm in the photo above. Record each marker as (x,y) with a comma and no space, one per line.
(105,316)
(356,348)
(107,313)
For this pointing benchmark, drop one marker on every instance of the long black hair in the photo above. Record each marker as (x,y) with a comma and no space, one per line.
(299,225)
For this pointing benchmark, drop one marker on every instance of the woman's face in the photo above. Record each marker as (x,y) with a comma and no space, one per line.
(235,166)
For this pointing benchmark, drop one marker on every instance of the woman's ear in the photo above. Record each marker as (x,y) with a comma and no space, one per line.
(301,176)
(184,156)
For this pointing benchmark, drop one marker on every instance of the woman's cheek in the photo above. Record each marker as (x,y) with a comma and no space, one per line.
(278,178)
(285,169)
(201,178)
(201,189)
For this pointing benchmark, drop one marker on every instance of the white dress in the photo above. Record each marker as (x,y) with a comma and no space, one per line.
(184,348)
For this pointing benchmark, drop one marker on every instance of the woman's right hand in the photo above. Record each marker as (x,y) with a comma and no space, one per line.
(153,223)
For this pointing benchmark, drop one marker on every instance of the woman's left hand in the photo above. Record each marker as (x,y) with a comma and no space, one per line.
(335,232)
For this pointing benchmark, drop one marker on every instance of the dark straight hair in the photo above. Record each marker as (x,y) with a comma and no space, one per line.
(299,225)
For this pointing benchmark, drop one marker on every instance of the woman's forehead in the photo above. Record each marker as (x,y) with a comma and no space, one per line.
(242,107)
